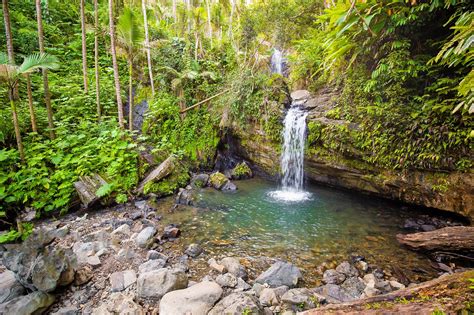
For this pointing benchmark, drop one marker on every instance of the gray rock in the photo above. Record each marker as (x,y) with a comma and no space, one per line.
(41,268)
(371,291)
(153,254)
(242,285)
(237,304)
(10,288)
(171,232)
(145,237)
(258,288)
(217,267)
(199,181)
(121,280)
(347,269)
(353,288)
(70,310)
(196,300)
(396,285)
(234,267)
(193,250)
(302,296)
(280,273)
(123,230)
(94,261)
(227,280)
(33,303)
(151,265)
(333,293)
(155,284)
(186,197)
(118,303)
(268,297)
(229,186)
(300,95)
(331,276)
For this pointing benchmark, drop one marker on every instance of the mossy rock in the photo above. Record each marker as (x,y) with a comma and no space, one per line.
(218,180)
(170,184)
(241,171)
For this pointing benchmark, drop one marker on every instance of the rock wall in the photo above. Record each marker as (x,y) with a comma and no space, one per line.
(453,192)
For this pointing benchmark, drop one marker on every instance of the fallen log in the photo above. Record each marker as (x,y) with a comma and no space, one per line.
(163,170)
(203,101)
(450,239)
(423,298)
(87,187)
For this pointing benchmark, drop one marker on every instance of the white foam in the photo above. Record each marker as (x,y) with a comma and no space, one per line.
(290,196)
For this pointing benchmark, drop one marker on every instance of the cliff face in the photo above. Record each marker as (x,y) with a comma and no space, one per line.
(453,192)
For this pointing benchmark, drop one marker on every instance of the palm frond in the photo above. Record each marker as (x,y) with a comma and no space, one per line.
(129,29)
(38,61)
(3,58)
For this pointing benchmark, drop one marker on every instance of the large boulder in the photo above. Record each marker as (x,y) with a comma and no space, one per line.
(237,304)
(34,303)
(302,296)
(10,288)
(199,181)
(121,280)
(186,197)
(241,171)
(218,180)
(155,284)
(197,299)
(39,263)
(151,265)
(280,273)
(332,276)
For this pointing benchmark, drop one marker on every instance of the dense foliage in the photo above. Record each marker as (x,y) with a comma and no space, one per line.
(403,71)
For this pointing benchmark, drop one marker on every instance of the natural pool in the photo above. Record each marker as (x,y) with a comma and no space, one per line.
(326,229)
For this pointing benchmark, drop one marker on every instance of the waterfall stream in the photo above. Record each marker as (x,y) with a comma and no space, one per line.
(292,157)
(277,62)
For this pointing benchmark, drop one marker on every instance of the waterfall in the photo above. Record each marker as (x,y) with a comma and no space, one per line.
(292,157)
(277,62)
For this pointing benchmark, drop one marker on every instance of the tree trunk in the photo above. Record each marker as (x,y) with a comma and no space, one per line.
(209,18)
(84,46)
(87,187)
(16,125)
(47,96)
(451,239)
(115,65)
(30,104)
(175,17)
(147,47)
(96,58)
(231,19)
(188,14)
(9,39)
(163,170)
(130,94)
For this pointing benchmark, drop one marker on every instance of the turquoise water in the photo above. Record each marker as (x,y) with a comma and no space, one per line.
(324,230)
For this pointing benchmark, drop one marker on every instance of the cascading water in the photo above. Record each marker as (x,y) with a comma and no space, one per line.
(292,157)
(277,62)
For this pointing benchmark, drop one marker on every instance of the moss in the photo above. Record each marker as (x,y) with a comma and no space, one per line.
(170,184)
(218,180)
(241,171)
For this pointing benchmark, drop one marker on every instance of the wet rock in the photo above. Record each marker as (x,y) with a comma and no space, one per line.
(280,273)
(121,280)
(217,267)
(331,276)
(241,171)
(218,180)
(302,296)
(236,304)
(118,303)
(411,224)
(196,300)
(83,275)
(171,232)
(347,269)
(185,197)
(10,288)
(136,215)
(362,266)
(193,250)
(34,303)
(234,267)
(428,227)
(155,284)
(199,181)
(151,265)
(145,237)
(227,280)
(229,186)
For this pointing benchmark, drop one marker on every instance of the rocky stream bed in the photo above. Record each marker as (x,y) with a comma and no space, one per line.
(121,260)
